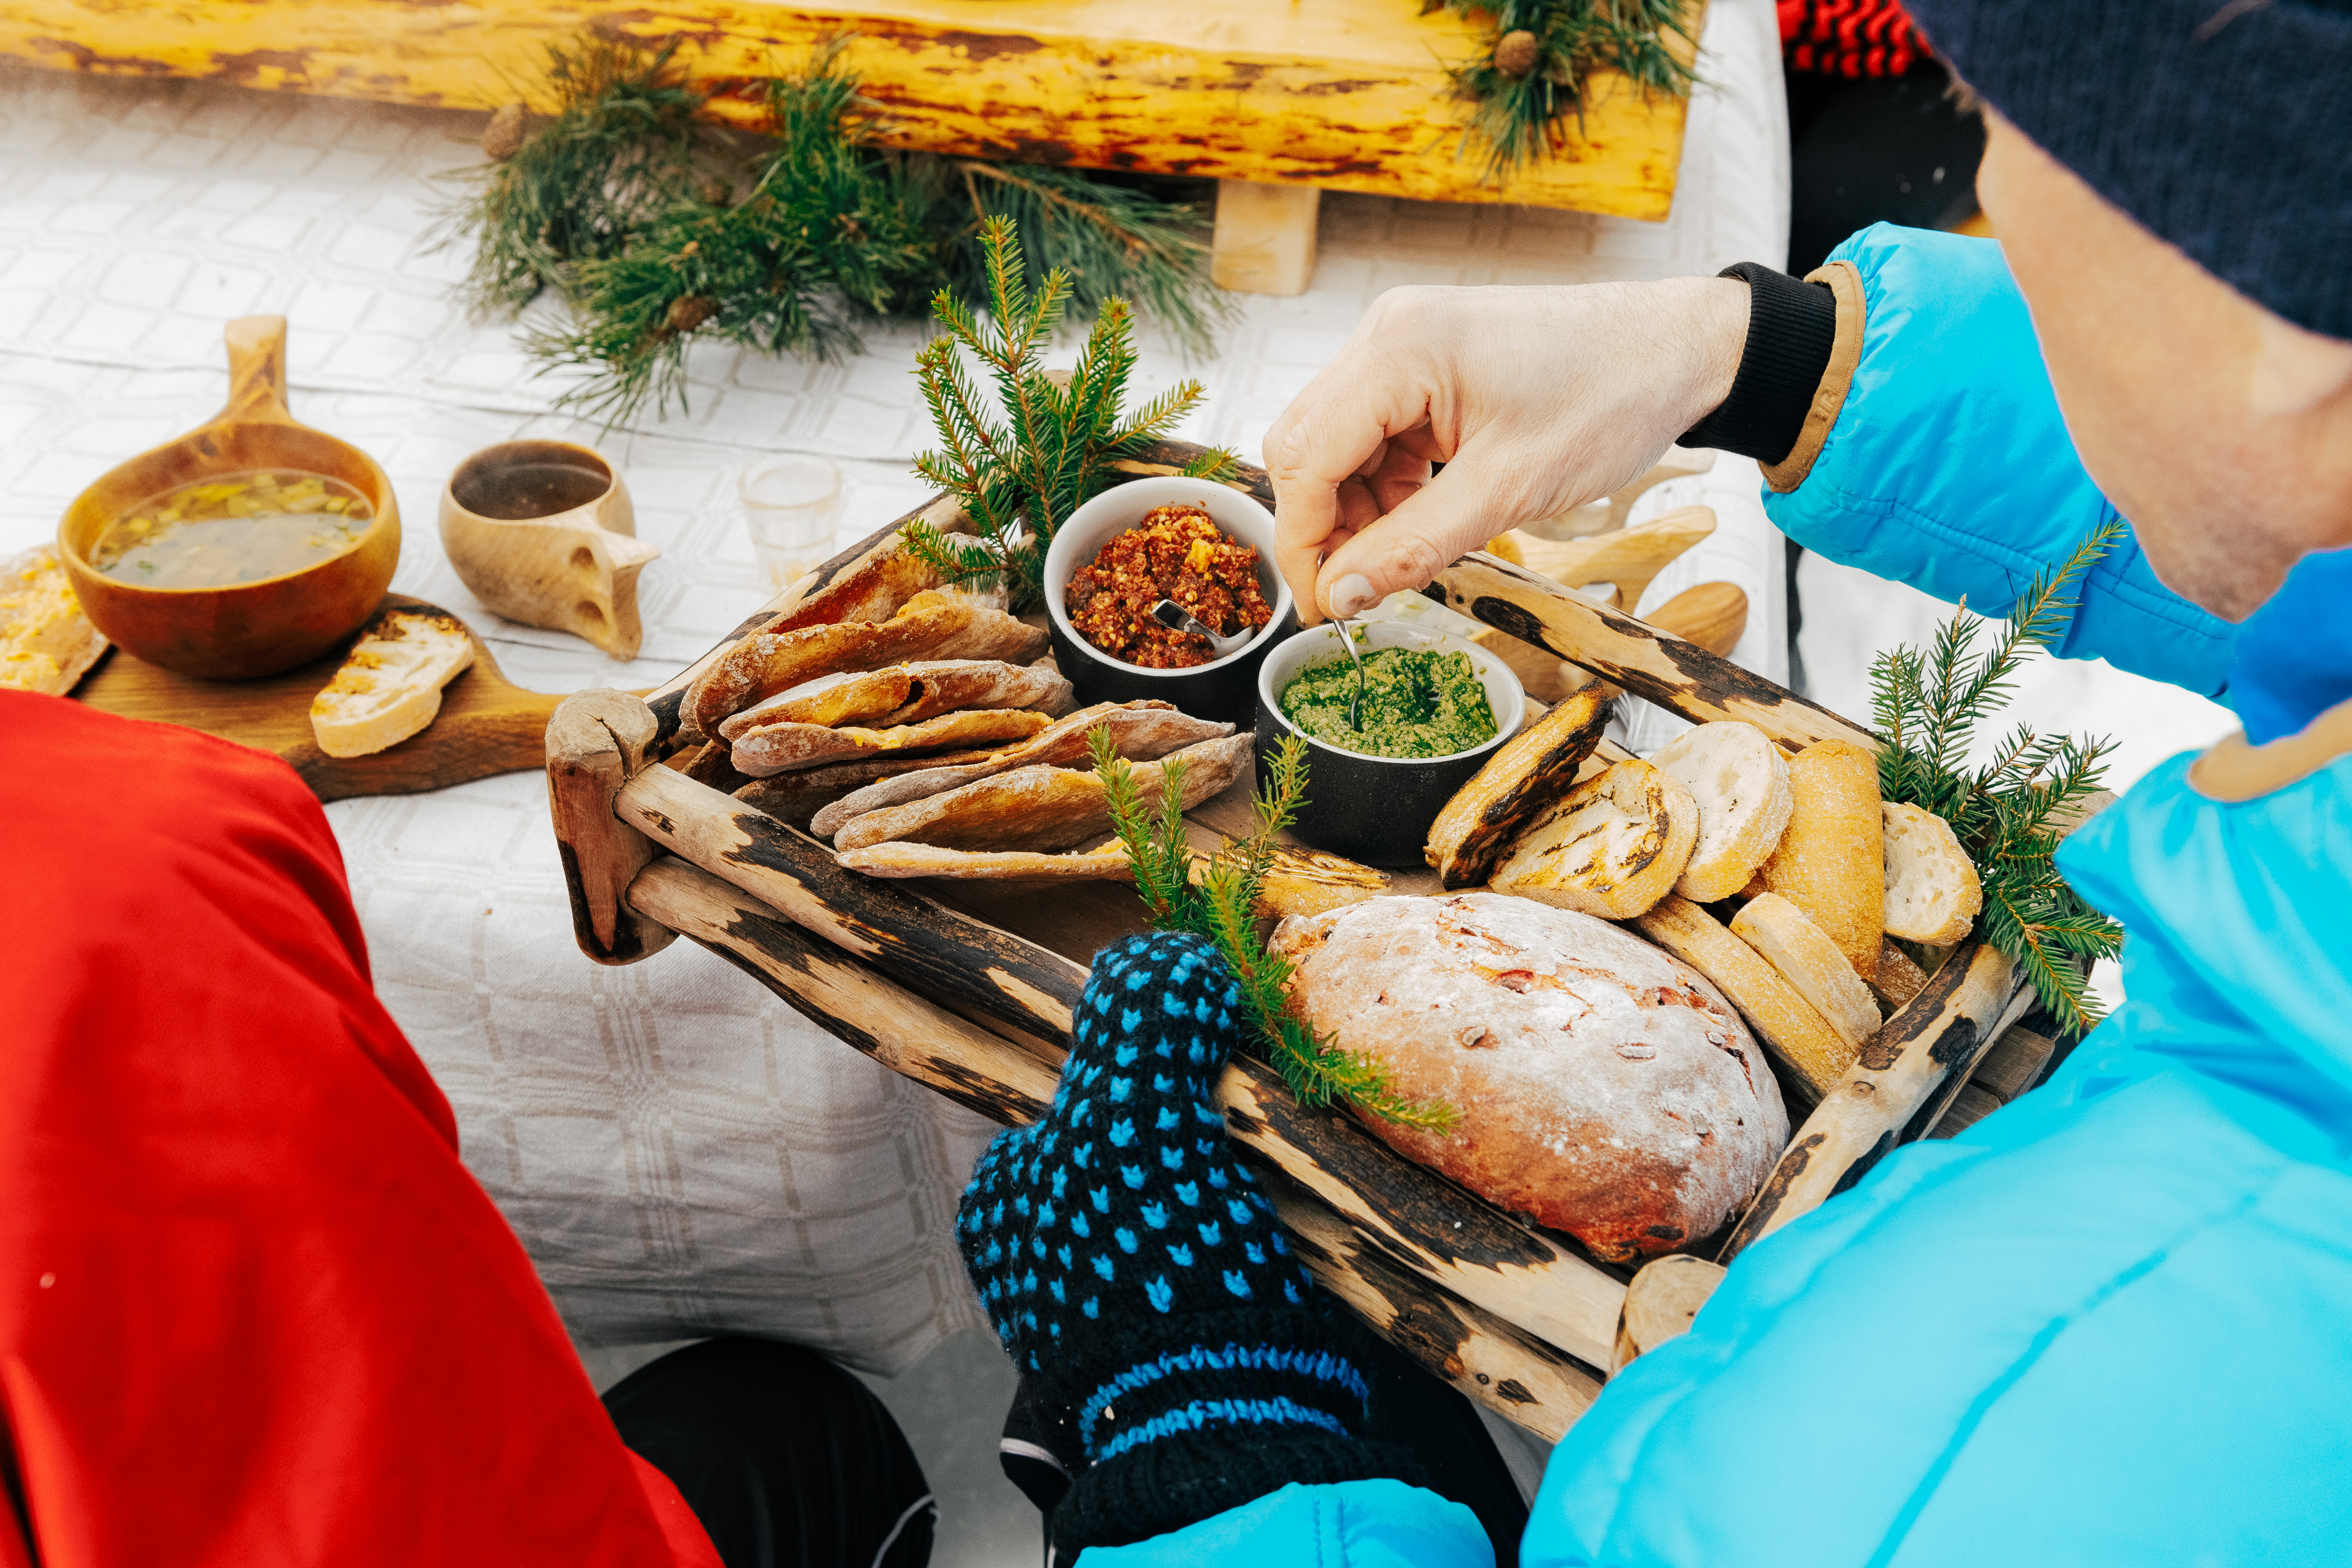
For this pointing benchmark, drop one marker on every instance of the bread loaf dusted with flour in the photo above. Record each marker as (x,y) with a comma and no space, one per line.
(1605,1087)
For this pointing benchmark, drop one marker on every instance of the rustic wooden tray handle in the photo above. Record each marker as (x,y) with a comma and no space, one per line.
(596,741)
(1632,653)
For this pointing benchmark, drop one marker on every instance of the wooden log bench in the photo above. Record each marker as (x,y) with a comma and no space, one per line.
(969,987)
(1278,102)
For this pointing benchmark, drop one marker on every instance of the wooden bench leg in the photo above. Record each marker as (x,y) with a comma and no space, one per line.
(1266,238)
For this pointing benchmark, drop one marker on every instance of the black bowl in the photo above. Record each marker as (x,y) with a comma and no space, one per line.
(1377,810)
(1225,688)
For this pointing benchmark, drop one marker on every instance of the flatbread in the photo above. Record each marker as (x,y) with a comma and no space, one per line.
(1041,807)
(1141,730)
(895,860)
(783,748)
(47,644)
(872,588)
(907,694)
(933,624)
(791,797)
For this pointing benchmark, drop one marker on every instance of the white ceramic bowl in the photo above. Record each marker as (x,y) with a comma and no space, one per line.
(1222,688)
(1377,809)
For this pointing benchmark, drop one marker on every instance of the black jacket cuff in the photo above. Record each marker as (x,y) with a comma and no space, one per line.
(1791,328)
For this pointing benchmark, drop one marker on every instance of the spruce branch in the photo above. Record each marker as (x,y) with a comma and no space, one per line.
(1538,58)
(1929,706)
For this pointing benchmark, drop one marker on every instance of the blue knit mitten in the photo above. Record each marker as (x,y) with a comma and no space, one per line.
(1138,1277)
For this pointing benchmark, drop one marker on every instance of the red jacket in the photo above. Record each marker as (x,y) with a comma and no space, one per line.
(253,1311)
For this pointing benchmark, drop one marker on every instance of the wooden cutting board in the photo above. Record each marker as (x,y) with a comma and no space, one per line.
(487,724)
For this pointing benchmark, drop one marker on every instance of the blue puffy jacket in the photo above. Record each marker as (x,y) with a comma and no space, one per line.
(2111,1324)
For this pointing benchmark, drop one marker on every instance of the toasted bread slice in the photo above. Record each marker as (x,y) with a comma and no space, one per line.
(1830,863)
(1933,894)
(1612,847)
(1790,1027)
(1530,771)
(1808,959)
(45,642)
(390,685)
(1741,783)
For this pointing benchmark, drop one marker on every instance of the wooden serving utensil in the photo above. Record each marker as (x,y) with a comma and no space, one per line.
(241,630)
(487,724)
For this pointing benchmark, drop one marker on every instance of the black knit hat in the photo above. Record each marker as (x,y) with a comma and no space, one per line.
(2223,126)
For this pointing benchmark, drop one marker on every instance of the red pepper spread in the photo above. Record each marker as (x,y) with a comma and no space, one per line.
(1176,553)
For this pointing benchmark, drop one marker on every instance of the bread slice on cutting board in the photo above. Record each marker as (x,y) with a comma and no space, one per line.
(390,685)
(1612,847)
(45,642)
(1741,783)
(1933,895)
(1808,959)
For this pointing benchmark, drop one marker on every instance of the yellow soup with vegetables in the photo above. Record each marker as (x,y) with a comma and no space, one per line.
(233,527)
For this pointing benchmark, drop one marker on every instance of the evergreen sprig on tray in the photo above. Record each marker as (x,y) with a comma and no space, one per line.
(1019,478)
(655,228)
(2008,815)
(1216,896)
(1539,56)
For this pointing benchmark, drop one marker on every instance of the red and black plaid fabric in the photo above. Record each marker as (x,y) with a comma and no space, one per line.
(1850,37)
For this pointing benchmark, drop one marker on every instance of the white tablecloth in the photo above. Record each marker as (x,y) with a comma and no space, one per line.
(680,1152)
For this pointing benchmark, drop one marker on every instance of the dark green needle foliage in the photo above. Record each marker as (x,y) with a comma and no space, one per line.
(2008,815)
(1216,896)
(656,229)
(1023,453)
(1519,102)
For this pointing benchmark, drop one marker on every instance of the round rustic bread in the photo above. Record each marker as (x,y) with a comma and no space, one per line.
(1606,1089)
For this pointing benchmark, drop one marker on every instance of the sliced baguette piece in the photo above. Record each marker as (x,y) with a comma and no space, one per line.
(1808,959)
(1832,862)
(1612,847)
(1933,894)
(1789,1026)
(1529,771)
(1741,782)
(388,687)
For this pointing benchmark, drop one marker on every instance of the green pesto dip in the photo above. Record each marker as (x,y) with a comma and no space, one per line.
(1418,703)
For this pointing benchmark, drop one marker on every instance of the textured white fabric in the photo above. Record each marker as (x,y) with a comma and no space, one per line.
(680,1153)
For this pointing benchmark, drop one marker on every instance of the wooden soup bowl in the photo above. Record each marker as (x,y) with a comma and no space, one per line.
(242,630)
(573,569)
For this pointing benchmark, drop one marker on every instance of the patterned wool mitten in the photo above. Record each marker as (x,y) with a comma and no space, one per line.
(1139,1279)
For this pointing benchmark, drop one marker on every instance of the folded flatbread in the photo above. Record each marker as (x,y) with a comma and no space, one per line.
(907,694)
(1141,730)
(781,748)
(1041,807)
(872,588)
(896,859)
(790,797)
(933,624)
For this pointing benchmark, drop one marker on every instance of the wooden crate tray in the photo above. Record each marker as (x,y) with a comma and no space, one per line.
(969,989)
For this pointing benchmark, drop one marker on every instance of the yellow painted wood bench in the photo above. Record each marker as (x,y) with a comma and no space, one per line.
(1291,97)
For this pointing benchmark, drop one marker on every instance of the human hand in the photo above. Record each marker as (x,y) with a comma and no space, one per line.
(1534,399)
(1138,1278)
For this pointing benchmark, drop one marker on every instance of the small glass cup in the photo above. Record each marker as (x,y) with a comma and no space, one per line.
(792,505)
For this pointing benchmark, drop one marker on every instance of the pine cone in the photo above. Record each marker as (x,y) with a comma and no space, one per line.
(689,312)
(716,193)
(1514,56)
(502,138)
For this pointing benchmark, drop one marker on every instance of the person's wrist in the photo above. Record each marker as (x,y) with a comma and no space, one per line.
(1709,317)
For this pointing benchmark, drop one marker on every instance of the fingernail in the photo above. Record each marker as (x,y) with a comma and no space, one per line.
(1352,595)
